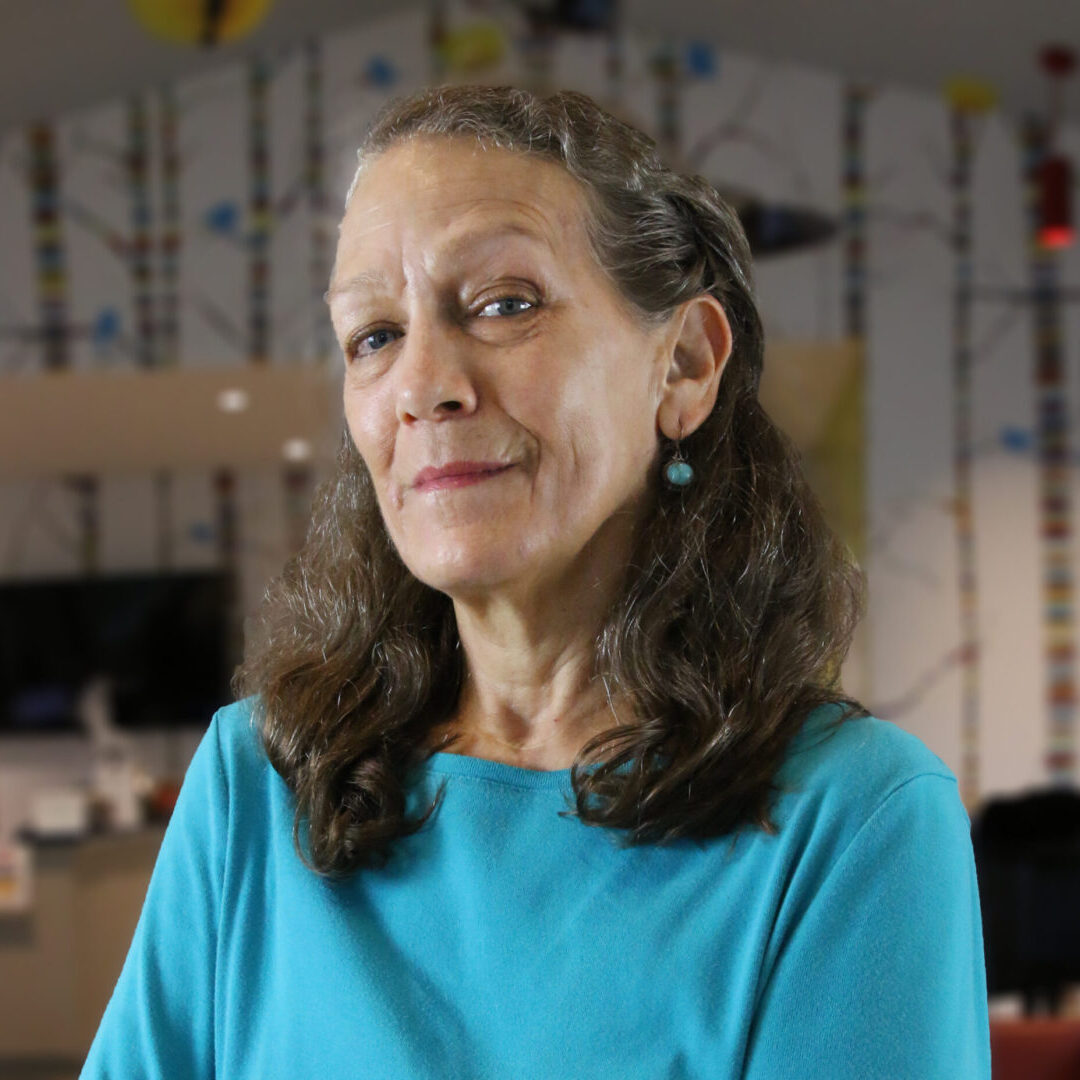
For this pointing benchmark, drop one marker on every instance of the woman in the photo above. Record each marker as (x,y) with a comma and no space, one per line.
(568,574)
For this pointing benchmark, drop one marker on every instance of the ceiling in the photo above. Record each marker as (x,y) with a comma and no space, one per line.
(58,55)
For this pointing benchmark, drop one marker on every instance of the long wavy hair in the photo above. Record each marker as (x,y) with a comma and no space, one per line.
(738,605)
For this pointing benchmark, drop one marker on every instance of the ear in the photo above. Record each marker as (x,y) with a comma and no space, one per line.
(697,348)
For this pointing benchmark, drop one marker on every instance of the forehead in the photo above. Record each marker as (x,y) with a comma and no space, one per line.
(428,187)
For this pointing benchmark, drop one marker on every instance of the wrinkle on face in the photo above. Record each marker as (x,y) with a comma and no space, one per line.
(548,210)
(569,392)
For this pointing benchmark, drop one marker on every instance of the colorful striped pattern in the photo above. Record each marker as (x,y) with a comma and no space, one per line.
(48,246)
(538,55)
(225,491)
(854,210)
(260,213)
(1054,482)
(229,557)
(613,60)
(962,122)
(665,68)
(139,253)
(88,517)
(845,453)
(170,239)
(437,39)
(297,480)
(163,513)
(315,185)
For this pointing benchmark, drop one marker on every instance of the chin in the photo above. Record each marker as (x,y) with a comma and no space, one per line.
(463,573)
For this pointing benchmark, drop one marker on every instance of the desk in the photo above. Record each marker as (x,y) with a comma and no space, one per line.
(60,960)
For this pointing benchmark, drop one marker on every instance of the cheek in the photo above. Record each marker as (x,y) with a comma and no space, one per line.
(614,408)
(372,431)
(602,438)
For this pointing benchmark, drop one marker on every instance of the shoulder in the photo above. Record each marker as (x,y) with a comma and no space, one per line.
(865,753)
(230,754)
(876,912)
(236,728)
(837,777)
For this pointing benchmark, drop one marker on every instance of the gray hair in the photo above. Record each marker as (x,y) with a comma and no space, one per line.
(738,605)
(661,236)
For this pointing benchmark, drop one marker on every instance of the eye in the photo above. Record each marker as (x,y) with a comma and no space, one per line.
(363,344)
(505,305)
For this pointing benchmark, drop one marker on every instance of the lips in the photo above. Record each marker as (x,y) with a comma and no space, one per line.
(457,474)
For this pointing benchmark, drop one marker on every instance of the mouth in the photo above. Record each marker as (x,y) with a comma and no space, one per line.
(457,474)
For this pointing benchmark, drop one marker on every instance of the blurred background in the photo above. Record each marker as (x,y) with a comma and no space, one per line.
(171,176)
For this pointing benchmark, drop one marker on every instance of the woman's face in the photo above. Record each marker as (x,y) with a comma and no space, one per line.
(501,393)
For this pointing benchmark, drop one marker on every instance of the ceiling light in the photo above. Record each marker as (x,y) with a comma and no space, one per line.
(297,450)
(233,400)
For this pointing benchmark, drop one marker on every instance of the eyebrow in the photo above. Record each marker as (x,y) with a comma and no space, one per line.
(375,279)
(354,284)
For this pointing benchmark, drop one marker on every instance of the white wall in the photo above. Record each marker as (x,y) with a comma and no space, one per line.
(778,131)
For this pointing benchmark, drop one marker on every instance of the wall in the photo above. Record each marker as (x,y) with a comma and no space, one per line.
(194,226)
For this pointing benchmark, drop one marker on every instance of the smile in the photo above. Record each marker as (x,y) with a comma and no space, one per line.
(457,474)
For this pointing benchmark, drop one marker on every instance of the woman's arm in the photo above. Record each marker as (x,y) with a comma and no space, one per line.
(882,976)
(160,1020)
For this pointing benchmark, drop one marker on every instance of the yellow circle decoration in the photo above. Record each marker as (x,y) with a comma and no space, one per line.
(200,22)
(968,94)
(473,47)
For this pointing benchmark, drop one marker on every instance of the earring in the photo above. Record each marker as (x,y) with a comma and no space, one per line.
(678,471)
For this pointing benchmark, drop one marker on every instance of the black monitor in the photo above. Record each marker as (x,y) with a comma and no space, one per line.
(161,640)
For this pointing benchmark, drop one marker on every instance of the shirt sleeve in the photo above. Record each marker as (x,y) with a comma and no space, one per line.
(882,977)
(160,1019)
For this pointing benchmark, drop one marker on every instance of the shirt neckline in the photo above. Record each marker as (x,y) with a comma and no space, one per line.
(449,764)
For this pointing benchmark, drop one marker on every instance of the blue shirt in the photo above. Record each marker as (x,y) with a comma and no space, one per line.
(504,941)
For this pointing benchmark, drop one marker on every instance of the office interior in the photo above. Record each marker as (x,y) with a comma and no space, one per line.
(170,395)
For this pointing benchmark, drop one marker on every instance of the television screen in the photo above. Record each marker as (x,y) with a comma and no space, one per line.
(161,641)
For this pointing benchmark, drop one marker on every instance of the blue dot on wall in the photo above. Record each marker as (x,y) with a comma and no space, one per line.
(222,217)
(201,532)
(106,328)
(1015,439)
(380,72)
(700,59)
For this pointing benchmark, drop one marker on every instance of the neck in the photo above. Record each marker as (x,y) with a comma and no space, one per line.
(531,696)
(525,705)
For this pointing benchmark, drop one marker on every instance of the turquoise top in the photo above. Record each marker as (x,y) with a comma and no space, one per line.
(504,941)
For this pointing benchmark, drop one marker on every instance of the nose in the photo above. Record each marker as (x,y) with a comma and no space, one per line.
(434,380)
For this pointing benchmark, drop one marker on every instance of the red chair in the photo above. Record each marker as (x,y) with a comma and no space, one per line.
(1035,1049)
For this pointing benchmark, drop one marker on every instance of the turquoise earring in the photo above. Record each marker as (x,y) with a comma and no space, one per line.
(678,471)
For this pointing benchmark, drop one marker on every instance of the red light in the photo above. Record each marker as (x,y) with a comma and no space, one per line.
(1056,236)
(1058,60)
(1055,202)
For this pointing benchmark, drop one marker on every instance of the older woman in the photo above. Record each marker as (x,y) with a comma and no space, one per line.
(568,574)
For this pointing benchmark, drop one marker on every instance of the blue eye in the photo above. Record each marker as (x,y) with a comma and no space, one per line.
(379,339)
(373,342)
(505,305)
